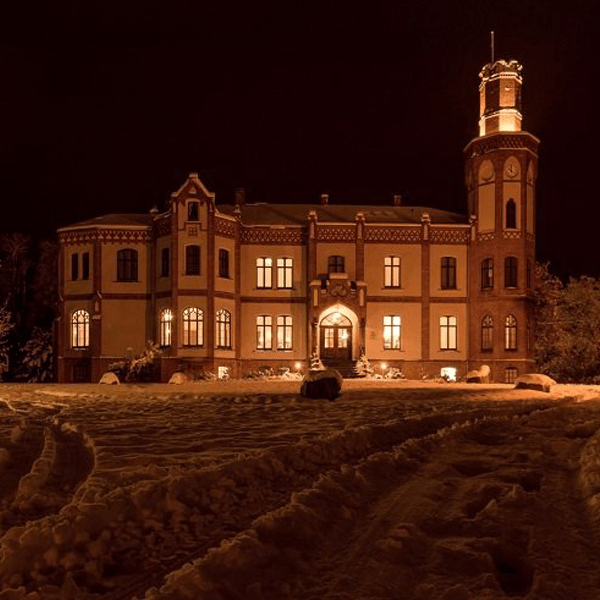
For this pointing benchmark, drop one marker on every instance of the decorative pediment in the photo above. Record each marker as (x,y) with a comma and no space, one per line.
(193,188)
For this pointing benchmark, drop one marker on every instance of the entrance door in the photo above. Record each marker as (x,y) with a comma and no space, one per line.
(336,338)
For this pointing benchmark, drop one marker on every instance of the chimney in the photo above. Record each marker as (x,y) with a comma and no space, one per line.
(324,199)
(397,199)
(240,197)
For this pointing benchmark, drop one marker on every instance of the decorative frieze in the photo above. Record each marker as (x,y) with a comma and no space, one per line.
(109,236)
(336,234)
(449,235)
(386,235)
(486,236)
(295,236)
(511,235)
(225,228)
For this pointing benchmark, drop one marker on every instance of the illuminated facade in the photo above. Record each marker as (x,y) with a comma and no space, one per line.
(235,288)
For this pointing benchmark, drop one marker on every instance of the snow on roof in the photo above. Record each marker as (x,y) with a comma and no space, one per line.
(130,219)
(297,214)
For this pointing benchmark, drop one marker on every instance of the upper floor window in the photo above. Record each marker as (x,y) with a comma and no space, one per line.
(223,328)
(284,332)
(511,214)
(193,326)
(264,332)
(223,263)
(336,264)
(192,260)
(487,333)
(164,262)
(193,213)
(391,271)
(127,265)
(284,273)
(74,266)
(529,275)
(264,272)
(448,333)
(510,333)
(392,330)
(487,273)
(510,272)
(85,265)
(80,329)
(448,273)
(166,326)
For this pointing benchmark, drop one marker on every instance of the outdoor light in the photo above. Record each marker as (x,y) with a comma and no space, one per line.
(383,366)
(298,366)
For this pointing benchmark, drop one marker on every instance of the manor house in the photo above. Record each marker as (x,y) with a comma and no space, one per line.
(233,288)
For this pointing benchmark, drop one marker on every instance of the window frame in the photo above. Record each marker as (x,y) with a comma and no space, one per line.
(165,324)
(74,266)
(192,315)
(336,263)
(285,273)
(193,211)
(85,266)
(80,328)
(487,273)
(191,261)
(487,333)
(165,261)
(223,329)
(127,265)
(285,333)
(511,214)
(448,273)
(511,272)
(264,272)
(510,374)
(392,271)
(392,332)
(510,333)
(264,332)
(446,328)
(224,263)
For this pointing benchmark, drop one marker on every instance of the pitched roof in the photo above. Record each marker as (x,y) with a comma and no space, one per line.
(297,214)
(131,220)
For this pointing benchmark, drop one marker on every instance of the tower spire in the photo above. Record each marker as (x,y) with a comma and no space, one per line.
(492,44)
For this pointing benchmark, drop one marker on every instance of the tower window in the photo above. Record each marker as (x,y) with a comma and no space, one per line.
(448,273)
(510,271)
(80,329)
(166,326)
(74,267)
(510,333)
(164,262)
(85,265)
(487,333)
(193,326)
(511,214)
(529,275)
(192,260)
(127,265)
(487,273)
(223,263)
(223,328)
(336,264)
(193,211)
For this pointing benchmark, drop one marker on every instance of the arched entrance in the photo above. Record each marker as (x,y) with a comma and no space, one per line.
(335,338)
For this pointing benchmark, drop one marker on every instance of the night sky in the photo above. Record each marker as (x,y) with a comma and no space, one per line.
(108,106)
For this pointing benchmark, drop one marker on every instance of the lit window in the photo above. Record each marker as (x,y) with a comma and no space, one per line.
(487,333)
(193,327)
(510,272)
(166,326)
(448,273)
(510,333)
(223,328)
(511,214)
(448,333)
(392,330)
(192,211)
(510,374)
(264,272)
(127,265)
(391,271)
(284,332)
(264,332)
(336,264)
(164,262)
(329,337)
(80,329)
(284,273)
(192,260)
(223,263)
(85,265)
(487,273)
(74,267)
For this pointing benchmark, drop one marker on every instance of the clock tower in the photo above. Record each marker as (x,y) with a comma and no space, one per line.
(501,169)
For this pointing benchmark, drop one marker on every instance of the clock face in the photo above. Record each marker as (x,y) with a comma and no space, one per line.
(487,170)
(512,170)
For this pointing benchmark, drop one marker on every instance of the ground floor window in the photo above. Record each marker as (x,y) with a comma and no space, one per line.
(193,327)
(80,329)
(510,374)
(166,327)
(284,332)
(392,332)
(223,329)
(264,332)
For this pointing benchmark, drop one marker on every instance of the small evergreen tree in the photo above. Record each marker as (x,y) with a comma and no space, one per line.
(137,368)
(36,363)
(363,367)
(6,327)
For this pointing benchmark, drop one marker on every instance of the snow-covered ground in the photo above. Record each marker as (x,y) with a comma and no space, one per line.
(245,490)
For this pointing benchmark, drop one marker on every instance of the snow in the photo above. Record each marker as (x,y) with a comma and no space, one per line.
(244,489)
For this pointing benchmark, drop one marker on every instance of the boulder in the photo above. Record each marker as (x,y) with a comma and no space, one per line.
(481,375)
(322,383)
(534,381)
(178,378)
(109,378)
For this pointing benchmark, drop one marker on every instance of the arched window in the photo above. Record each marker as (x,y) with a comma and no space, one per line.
(511,214)
(448,273)
(192,260)
(127,265)
(487,333)
(487,273)
(80,329)
(193,326)
(166,326)
(510,271)
(510,333)
(223,328)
